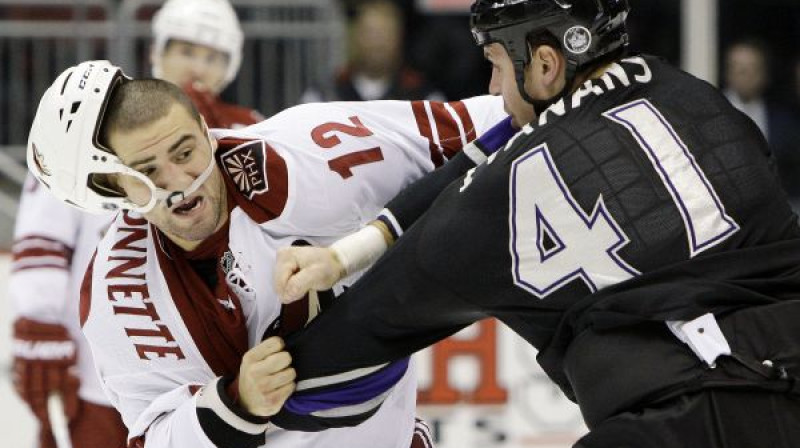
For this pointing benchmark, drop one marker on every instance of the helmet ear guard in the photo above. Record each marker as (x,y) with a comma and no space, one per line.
(586,30)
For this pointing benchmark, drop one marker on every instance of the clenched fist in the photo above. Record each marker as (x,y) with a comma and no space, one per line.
(299,270)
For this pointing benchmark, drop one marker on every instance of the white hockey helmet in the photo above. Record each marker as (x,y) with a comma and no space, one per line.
(212,23)
(64,152)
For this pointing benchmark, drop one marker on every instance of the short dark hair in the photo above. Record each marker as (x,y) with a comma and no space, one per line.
(140,102)
(134,104)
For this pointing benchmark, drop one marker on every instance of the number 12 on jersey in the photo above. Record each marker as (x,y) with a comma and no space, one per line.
(325,136)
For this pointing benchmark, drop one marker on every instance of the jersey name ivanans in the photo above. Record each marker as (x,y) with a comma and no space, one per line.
(615,76)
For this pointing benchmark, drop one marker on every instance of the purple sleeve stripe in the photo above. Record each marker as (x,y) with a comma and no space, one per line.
(496,137)
(349,393)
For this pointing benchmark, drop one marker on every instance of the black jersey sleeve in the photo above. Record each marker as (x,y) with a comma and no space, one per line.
(404,209)
(351,356)
(413,201)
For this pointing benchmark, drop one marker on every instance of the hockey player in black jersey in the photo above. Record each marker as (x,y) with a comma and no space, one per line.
(634,232)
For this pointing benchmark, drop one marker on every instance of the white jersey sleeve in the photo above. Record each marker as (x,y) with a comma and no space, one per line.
(45,234)
(344,161)
(53,243)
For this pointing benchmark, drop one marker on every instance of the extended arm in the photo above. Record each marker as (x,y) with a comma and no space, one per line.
(300,269)
(45,352)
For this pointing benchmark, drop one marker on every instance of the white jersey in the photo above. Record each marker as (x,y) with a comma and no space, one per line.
(53,243)
(313,172)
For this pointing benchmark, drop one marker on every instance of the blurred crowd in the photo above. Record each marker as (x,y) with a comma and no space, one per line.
(422,49)
(759,60)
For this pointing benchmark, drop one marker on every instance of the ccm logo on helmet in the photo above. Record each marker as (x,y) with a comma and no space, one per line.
(85,77)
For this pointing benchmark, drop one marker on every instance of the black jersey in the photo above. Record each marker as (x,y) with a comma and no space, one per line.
(643,197)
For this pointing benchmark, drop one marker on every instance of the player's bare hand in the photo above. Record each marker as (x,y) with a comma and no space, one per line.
(266,378)
(301,269)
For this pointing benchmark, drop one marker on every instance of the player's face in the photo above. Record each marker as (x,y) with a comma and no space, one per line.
(504,83)
(184,63)
(173,151)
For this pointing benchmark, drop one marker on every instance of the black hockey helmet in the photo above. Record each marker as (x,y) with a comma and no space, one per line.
(586,29)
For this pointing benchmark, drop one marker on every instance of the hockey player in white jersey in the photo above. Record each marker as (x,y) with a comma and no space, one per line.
(197,44)
(178,303)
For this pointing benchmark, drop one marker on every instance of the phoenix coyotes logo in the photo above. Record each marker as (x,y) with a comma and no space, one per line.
(38,158)
(246,165)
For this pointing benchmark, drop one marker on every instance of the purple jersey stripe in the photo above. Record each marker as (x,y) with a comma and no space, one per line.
(351,393)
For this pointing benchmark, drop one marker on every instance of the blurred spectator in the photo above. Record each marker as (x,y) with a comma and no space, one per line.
(197,45)
(377,69)
(444,49)
(747,77)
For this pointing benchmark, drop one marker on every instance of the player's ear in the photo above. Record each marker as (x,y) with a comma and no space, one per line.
(550,64)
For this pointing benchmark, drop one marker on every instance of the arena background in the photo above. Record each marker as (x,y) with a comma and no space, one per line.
(481,388)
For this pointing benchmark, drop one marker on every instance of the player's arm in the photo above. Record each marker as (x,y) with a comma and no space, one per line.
(404,209)
(353,353)
(300,269)
(329,168)
(44,351)
(225,412)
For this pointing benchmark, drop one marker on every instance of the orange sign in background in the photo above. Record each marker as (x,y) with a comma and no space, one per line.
(482,388)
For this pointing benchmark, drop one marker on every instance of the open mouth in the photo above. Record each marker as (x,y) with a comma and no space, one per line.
(188,207)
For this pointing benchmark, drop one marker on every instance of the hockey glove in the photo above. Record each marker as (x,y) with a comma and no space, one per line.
(44,357)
